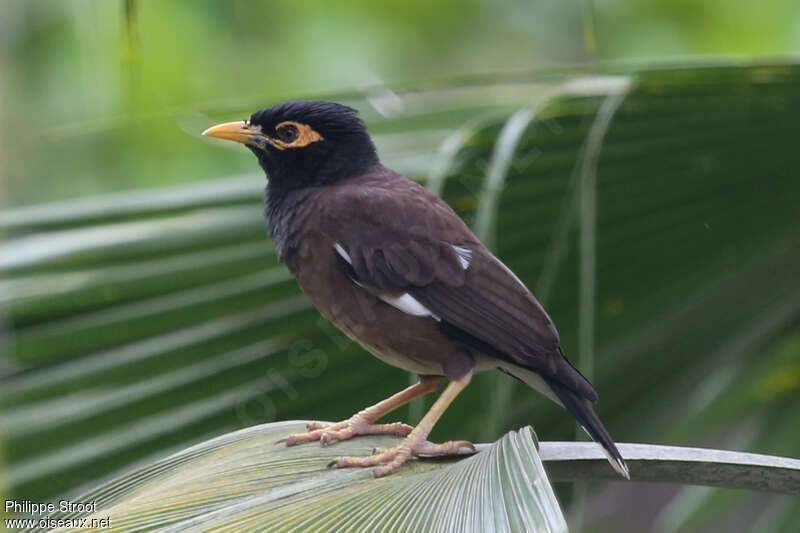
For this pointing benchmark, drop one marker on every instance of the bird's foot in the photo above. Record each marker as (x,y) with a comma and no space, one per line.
(326,432)
(393,458)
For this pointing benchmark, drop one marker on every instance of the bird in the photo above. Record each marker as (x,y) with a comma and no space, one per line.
(397,270)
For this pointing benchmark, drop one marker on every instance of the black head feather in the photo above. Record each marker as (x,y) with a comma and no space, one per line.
(345,149)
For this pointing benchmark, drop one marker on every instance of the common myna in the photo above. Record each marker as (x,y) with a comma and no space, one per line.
(394,267)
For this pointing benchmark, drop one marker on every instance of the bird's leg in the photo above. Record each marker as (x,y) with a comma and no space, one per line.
(415,443)
(362,423)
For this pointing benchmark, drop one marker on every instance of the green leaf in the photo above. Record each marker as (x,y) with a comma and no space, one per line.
(244,481)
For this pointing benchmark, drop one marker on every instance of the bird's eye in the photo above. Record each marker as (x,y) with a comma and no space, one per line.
(293,135)
(286,133)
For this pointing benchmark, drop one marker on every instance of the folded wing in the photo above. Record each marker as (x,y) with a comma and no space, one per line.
(427,260)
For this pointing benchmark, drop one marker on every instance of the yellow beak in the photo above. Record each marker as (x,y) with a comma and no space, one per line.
(239,131)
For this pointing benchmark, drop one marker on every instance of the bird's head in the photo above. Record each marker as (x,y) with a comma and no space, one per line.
(304,143)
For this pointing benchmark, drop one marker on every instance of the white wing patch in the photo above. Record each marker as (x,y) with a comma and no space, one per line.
(341,251)
(464,256)
(405,302)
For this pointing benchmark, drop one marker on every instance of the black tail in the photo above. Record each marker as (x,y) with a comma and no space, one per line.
(581,409)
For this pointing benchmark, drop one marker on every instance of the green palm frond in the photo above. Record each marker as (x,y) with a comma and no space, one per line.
(244,482)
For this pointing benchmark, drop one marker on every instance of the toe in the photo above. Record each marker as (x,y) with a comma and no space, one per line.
(399,460)
(369,460)
(349,462)
(333,435)
(398,429)
(290,440)
(452,447)
(299,438)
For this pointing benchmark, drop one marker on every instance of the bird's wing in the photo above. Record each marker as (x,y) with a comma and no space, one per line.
(409,248)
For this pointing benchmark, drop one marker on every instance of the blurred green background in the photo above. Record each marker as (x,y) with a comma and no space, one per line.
(139,322)
(108,96)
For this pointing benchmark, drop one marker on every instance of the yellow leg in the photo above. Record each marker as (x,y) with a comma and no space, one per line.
(362,423)
(415,443)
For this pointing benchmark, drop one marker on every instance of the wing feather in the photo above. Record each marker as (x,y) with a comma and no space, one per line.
(428,253)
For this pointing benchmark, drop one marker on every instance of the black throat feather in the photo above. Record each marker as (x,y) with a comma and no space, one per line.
(297,175)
